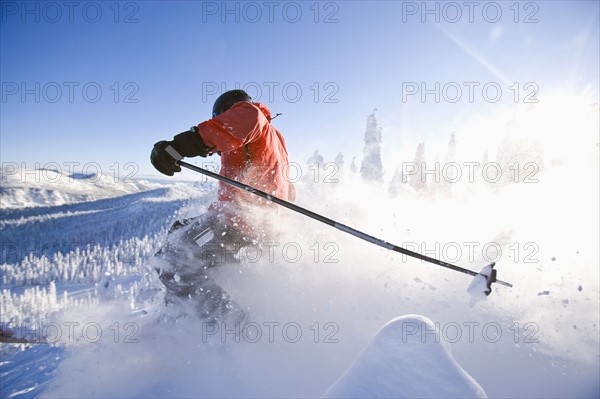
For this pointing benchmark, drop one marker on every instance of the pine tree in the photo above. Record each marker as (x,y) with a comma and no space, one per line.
(451,152)
(353,167)
(315,159)
(398,182)
(451,173)
(371,168)
(417,180)
(315,168)
(339,165)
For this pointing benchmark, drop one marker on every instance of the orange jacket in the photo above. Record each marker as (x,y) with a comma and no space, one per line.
(253,152)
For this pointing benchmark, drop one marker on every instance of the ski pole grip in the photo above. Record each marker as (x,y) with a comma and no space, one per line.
(172,152)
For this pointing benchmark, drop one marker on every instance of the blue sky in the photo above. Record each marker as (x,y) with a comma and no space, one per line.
(100,82)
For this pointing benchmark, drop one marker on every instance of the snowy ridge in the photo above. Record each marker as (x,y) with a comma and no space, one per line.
(45,187)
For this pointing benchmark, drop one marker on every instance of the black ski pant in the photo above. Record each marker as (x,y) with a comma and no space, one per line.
(193,247)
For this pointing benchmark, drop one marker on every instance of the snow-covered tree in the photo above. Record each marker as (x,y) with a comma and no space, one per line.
(315,159)
(451,173)
(451,152)
(398,183)
(417,180)
(371,168)
(339,167)
(353,167)
(339,160)
(315,168)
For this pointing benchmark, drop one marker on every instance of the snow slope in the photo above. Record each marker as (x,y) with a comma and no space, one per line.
(516,343)
(337,292)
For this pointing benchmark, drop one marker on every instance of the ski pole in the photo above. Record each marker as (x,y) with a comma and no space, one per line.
(490,277)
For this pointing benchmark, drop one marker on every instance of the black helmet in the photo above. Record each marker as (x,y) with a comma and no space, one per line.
(227,99)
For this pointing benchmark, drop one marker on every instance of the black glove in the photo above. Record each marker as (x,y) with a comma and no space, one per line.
(187,144)
(162,160)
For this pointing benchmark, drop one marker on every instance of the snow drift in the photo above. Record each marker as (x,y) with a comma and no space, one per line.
(406,359)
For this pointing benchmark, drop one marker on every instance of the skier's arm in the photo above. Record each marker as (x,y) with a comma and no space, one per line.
(240,125)
(243,123)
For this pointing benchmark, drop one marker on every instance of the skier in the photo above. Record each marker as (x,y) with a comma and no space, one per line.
(253,152)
